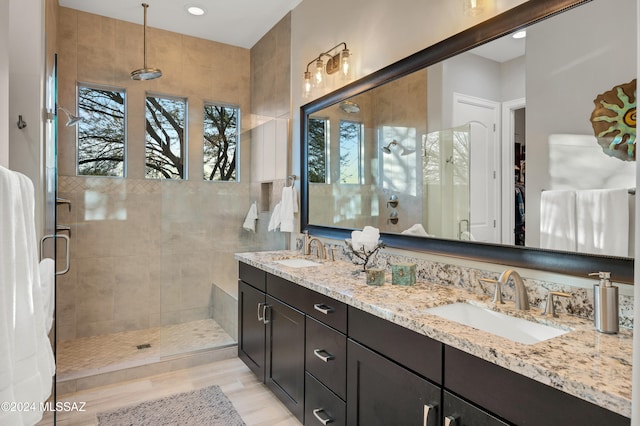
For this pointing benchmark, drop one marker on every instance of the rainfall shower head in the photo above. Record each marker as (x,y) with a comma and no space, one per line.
(145,73)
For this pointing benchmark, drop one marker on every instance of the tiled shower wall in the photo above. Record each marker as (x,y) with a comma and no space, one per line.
(151,252)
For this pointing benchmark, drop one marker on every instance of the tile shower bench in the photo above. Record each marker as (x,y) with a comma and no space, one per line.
(383,355)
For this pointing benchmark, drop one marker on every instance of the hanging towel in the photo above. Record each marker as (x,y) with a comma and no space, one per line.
(47,270)
(603,221)
(274,222)
(250,221)
(26,357)
(558,220)
(287,209)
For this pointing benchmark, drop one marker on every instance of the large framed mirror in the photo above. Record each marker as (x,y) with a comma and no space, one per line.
(489,147)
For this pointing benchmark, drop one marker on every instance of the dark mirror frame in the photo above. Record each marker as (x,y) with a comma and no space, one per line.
(522,16)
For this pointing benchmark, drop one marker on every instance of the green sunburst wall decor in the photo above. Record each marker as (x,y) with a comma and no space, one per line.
(614,121)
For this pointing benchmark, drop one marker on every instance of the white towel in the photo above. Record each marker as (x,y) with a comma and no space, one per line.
(287,209)
(603,221)
(274,222)
(558,220)
(250,221)
(26,356)
(47,269)
(416,229)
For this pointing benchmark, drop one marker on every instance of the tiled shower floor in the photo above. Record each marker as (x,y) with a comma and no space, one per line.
(102,354)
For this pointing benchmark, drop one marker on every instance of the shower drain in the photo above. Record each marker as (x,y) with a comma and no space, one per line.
(144,346)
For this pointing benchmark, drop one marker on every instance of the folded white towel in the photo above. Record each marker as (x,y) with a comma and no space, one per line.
(274,222)
(558,220)
(287,209)
(416,229)
(603,221)
(250,221)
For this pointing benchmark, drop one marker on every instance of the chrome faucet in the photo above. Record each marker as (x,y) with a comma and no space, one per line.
(308,242)
(522,301)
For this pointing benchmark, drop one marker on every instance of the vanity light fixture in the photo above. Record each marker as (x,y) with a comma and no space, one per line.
(145,73)
(472,7)
(338,61)
(195,10)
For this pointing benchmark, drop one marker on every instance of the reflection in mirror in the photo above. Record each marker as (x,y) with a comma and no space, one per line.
(492,145)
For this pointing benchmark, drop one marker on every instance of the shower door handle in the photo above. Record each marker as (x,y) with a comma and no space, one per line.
(66,240)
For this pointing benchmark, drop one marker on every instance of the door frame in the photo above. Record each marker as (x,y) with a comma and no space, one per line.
(508,154)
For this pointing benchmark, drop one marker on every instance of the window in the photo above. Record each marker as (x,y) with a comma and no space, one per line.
(101,133)
(165,142)
(350,146)
(318,150)
(221,134)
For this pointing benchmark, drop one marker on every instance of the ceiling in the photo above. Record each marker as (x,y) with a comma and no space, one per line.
(236,22)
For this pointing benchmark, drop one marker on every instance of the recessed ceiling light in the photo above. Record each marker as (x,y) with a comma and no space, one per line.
(520,34)
(195,10)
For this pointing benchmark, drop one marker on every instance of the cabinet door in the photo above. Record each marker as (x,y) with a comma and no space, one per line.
(456,412)
(285,355)
(251,328)
(380,392)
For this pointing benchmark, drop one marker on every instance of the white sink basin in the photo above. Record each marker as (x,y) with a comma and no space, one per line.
(297,263)
(515,329)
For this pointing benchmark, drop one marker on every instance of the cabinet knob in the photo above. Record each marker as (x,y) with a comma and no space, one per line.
(324,420)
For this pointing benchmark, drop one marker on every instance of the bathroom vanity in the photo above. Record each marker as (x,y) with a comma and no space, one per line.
(335,350)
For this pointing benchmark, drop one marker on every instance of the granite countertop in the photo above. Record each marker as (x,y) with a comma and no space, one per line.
(593,366)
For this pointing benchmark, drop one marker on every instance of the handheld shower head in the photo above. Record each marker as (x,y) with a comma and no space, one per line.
(387,149)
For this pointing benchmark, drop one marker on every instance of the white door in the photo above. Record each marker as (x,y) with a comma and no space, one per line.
(484,117)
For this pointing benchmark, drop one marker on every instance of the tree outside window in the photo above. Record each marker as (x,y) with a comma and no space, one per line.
(101,133)
(221,135)
(165,145)
(318,136)
(350,147)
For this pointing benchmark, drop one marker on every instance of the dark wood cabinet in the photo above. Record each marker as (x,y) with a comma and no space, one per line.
(322,406)
(381,392)
(457,412)
(252,331)
(330,363)
(285,354)
(519,399)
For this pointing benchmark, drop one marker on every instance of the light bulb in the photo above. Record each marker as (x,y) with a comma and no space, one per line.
(345,63)
(306,84)
(318,77)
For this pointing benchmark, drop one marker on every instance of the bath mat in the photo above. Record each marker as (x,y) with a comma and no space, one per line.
(207,406)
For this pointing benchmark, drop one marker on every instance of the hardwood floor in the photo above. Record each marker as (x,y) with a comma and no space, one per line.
(253,401)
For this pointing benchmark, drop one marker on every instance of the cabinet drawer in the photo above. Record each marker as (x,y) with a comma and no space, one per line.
(517,398)
(415,351)
(252,275)
(326,356)
(461,413)
(322,406)
(328,311)
(288,292)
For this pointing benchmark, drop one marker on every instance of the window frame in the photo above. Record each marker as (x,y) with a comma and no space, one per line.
(238,132)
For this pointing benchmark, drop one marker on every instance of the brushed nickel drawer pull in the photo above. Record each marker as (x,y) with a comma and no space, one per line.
(325,309)
(320,353)
(260,317)
(266,309)
(427,409)
(449,421)
(326,420)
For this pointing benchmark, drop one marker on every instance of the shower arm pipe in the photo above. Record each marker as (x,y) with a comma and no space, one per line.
(144,34)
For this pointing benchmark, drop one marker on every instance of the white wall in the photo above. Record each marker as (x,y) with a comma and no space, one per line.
(26,55)
(4,84)
(561,89)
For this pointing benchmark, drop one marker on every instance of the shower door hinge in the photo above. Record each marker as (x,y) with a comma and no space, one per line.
(494,223)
